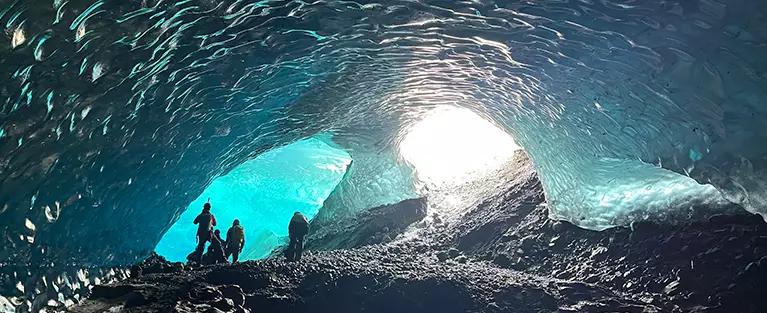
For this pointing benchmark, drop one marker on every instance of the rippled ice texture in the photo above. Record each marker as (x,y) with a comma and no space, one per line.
(116,115)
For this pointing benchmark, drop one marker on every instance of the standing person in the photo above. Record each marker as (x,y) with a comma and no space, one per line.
(235,240)
(297,229)
(205,222)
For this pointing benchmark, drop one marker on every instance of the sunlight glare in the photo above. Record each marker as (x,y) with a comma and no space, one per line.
(452,144)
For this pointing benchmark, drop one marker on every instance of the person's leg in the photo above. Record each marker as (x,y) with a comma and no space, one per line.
(201,245)
(291,248)
(198,252)
(201,240)
(299,248)
(236,255)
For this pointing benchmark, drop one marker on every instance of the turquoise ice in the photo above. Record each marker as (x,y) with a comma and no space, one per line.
(263,193)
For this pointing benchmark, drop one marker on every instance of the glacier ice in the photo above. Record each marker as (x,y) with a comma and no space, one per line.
(115,116)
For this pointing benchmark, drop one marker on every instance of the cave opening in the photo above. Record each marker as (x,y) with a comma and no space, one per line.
(452,145)
(263,193)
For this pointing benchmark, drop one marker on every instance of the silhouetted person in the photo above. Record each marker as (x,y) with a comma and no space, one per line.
(205,222)
(235,240)
(298,228)
(215,252)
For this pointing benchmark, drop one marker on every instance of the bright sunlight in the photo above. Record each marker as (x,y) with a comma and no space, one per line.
(452,144)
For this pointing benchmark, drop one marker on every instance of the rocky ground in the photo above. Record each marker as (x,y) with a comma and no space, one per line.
(718,265)
(499,252)
(698,263)
(389,278)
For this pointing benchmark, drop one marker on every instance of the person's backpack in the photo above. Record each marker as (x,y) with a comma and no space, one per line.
(205,223)
(298,225)
(237,234)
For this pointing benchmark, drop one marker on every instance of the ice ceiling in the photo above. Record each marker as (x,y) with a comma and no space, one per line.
(116,115)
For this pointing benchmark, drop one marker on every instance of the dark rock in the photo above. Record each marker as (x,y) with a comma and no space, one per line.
(205,294)
(752,270)
(562,275)
(349,281)
(502,260)
(234,293)
(241,310)
(373,226)
(599,253)
(155,264)
(453,252)
(671,287)
(518,264)
(557,244)
(224,304)
(109,292)
(509,237)
(593,279)
(136,299)
(135,271)
(763,262)
(527,243)
(557,226)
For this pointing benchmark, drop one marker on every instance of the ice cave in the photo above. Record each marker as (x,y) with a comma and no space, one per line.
(458,156)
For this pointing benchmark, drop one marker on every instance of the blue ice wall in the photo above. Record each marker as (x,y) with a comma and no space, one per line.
(373,179)
(263,193)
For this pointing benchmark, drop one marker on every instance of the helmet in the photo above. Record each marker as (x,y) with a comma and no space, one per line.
(236,222)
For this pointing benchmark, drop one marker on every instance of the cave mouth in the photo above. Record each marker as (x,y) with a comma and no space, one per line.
(263,193)
(452,145)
